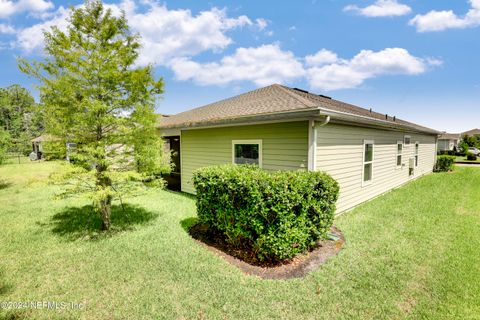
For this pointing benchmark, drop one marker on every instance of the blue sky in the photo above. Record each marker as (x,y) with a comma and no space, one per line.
(414,59)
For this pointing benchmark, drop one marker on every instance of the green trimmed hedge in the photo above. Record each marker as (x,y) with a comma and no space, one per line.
(444,163)
(471,156)
(277,215)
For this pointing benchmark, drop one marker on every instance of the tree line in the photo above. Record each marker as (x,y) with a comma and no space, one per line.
(20,120)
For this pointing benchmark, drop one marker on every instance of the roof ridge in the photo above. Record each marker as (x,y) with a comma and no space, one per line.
(305,101)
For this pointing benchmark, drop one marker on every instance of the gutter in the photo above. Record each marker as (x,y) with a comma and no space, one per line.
(339,116)
(301,114)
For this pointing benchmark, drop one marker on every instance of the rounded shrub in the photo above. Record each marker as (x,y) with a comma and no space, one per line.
(471,156)
(444,163)
(276,214)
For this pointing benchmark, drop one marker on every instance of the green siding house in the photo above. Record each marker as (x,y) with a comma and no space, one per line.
(282,128)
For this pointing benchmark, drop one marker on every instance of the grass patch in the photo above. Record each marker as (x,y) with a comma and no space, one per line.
(412,253)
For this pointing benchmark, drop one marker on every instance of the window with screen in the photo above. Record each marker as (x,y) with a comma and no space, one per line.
(367,161)
(247,152)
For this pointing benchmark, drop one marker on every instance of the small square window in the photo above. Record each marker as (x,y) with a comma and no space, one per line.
(407,140)
(247,152)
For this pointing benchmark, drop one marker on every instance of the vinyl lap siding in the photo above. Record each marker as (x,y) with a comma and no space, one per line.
(340,153)
(285,147)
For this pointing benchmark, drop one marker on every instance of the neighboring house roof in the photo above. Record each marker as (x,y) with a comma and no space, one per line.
(45,137)
(449,136)
(277,100)
(472,132)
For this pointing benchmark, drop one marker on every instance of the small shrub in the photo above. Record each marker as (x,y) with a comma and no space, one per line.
(277,215)
(471,156)
(446,152)
(54,150)
(444,163)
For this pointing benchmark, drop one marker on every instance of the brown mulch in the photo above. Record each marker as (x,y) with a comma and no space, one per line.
(245,260)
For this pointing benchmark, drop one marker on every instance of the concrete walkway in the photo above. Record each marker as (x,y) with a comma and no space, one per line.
(466,164)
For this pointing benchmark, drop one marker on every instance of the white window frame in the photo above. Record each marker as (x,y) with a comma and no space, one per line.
(409,140)
(416,153)
(399,154)
(365,142)
(251,141)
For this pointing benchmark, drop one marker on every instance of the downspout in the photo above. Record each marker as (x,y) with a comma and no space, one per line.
(312,141)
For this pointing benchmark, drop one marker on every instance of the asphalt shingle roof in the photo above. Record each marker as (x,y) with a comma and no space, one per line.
(276,99)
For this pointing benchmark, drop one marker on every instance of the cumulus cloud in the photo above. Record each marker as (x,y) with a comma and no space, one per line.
(9,7)
(447,19)
(262,65)
(343,74)
(381,8)
(171,33)
(30,39)
(165,33)
(323,70)
(320,58)
(173,38)
(6,29)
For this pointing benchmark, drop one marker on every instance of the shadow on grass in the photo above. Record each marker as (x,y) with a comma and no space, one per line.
(75,223)
(4,184)
(5,287)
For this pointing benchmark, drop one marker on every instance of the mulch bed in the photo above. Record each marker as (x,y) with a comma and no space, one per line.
(244,258)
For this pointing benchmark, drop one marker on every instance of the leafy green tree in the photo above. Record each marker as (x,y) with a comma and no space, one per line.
(470,140)
(5,141)
(20,117)
(93,94)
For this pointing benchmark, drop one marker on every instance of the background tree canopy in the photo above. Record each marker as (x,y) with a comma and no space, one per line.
(20,118)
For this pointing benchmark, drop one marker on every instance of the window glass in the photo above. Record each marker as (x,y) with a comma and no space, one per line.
(399,153)
(417,146)
(246,154)
(407,140)
(367,161)
(368,152)
(367,172)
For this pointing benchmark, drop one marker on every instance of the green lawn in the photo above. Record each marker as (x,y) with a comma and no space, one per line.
(464,159)
(413,253)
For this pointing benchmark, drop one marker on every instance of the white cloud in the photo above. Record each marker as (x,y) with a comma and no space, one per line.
(367,64)
(263,66)
(261,23)
(447,19)
(6,29)
(30,39)
(172,33)
(381,8)
(320,58)
(324,70)
(9,7)
(165,33)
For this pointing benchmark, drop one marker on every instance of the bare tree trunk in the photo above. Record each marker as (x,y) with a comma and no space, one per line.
(105,210)
(105,204)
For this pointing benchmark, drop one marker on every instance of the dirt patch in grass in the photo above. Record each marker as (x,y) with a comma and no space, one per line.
(245,260)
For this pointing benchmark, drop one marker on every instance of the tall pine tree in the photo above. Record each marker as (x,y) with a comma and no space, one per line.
(94,94)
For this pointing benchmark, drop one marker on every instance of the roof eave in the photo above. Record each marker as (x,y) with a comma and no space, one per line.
(303,114)
(362,120)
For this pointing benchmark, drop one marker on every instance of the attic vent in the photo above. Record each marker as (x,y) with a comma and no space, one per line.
(304,91)
(323,96)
